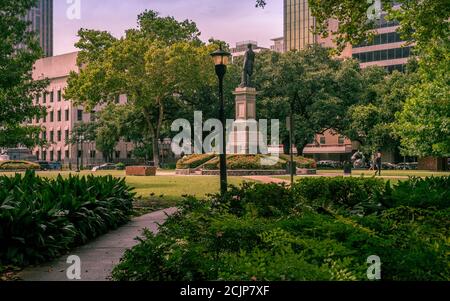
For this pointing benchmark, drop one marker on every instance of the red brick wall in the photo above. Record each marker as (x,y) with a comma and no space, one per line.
(141,171)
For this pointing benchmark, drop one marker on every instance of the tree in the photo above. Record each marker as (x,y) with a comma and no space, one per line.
(372,120)
(150,65)
(424,123)
(317,88)
(17,88)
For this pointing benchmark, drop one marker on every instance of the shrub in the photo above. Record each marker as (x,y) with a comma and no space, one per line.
(262,200)
(348,193)
(18,165)
(245,162)
(419,193)
(42,218)
(194,161)
(270,232)
(302,162)
(120,166)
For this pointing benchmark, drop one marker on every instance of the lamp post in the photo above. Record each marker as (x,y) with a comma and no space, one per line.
(221,59)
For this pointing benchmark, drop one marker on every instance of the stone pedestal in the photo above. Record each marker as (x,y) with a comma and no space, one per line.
(244,136)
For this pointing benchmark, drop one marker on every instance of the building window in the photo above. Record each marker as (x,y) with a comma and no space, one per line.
(66,136)
(59,135)
(58,156)
(52,156)
(37,99)
(52,116)
(59,96)
(341,140)
(322,140)
(37,155)
(117,154)
(67,155)
(52,134)
(52,96)
(45,118)
(67,115)
(93,116)
(117,99)
(92,154)
(44,136)
(382,55)
(44,155)
(59,115)
(80,115)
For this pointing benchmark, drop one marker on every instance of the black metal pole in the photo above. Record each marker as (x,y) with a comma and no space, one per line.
(78,153)
(220,71)
(291,143)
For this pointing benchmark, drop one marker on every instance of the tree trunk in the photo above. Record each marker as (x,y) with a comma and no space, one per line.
(155,147)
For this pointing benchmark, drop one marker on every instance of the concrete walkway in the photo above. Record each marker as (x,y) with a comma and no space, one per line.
(99,257)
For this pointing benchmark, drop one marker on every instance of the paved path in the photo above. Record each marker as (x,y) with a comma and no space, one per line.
(99,257)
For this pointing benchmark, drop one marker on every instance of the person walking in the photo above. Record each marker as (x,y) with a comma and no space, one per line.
(378,161)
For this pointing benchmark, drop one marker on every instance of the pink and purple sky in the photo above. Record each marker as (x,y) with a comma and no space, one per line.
(229,20)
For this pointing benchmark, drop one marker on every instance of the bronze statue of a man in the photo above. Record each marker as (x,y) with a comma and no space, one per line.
(249,62)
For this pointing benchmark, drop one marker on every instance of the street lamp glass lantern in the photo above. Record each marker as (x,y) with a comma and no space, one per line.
(221,57)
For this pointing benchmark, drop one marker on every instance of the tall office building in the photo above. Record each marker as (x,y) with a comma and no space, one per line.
(41,18)
(298,23)
(387,49)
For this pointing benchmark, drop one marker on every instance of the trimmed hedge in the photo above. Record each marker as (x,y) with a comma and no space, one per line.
(241,162)
(271,233)
(194,161)
(18,165)
(349,193)
(41,219)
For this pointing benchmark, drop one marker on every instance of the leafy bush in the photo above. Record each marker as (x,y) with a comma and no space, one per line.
(302,162)
(120,166)
(194,161)
(18,165)
(42,218)
(419,193)
(269,232)
(348,193)
(245,162)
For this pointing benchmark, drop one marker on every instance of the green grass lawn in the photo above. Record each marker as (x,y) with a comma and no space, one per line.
(168,187)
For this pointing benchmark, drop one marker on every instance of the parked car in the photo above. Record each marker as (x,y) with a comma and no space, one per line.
(329,164)
(106,166)
(45,165)
(408,166)
(389,166)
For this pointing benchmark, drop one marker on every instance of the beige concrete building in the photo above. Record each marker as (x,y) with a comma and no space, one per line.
(63,115)
(278,45)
